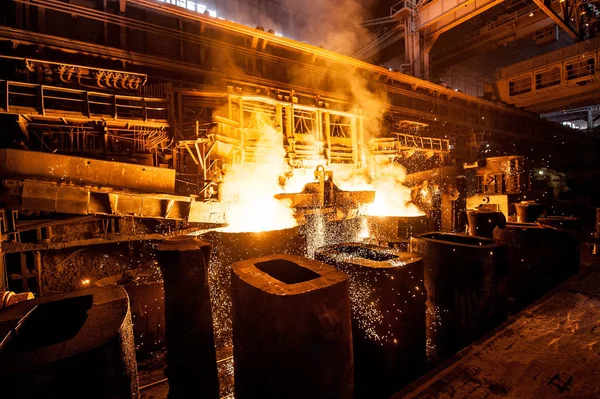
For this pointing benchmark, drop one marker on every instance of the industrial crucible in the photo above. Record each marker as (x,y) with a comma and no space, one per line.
(292,336)
(538,259)
(396,229)
(529,211)
(482,222)
(191,355)
(231,247)
(147,304)
(465,279)
(387,295)
(71,345)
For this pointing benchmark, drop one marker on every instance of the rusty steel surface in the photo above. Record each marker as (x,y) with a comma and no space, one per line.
(465,279)
(549,350)
(393,229)
(35,195)
(84,171)
(529,211)
(387,295)
(292,336)
(482,222)
(230,247)
(69,345)
(191,354)
(538,258)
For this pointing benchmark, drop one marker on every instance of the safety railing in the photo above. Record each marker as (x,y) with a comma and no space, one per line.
(402,141)
(20,97)
(382,146)
(501,22)
(519,85)
(402,5)
(571,71)
(409,141)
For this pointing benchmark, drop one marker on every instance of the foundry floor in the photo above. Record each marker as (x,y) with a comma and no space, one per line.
(549,350)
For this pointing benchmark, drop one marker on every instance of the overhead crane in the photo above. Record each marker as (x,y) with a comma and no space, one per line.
(564,78)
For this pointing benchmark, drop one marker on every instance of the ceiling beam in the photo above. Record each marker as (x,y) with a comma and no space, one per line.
(545,6)
(439,16)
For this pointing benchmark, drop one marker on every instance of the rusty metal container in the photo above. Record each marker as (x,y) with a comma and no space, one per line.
(560,222)
(396,229)
(529,211)
(191,355)
(147,304)
(71,345)
(292,336)
(465,279)
(228,248)
(319,231)
(482,222)
(147,301)
(387,295)
(538,258)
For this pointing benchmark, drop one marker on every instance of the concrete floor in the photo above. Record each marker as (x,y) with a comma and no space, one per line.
(549,350)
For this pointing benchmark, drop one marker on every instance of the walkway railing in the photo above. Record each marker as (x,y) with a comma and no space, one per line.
(35,99)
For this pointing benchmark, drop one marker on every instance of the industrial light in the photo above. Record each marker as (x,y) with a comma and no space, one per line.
(531,14)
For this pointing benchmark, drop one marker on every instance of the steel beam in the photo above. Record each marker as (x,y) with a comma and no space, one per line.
(440,16)
(545,6)
(503,30)
(425,100)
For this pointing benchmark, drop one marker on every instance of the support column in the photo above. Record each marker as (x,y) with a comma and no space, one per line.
(191,356)
(3,280)
(41,20)
(596,247)
(327,133)
(417,48)
(412,48)
(426,67)
(590,119)
(123,30)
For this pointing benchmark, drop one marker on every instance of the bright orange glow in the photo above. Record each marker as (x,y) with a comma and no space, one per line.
(248,190)
(391,197)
